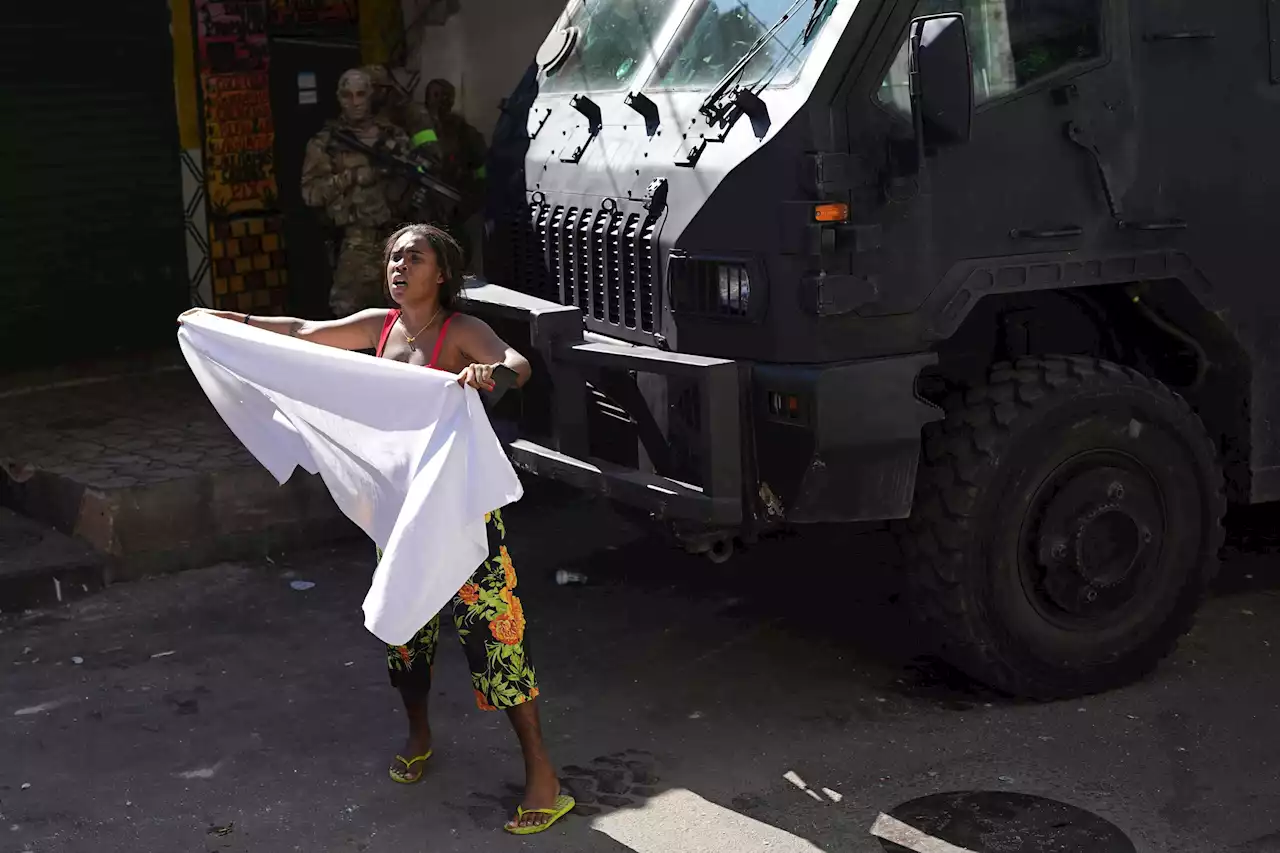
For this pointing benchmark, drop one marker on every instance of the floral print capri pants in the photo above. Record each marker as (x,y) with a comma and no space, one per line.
(490,622)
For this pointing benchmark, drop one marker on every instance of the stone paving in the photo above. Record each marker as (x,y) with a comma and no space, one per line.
(143,469)
(117,434)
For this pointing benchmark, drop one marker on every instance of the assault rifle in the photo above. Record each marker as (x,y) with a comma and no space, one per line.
(420,180)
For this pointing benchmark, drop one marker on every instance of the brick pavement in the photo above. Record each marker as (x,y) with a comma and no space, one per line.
(143,469)
(127,432)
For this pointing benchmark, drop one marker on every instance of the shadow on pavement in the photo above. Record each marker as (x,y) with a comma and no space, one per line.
(1249,555)
(784,686)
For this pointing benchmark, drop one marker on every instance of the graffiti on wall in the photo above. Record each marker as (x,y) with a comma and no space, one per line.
(239,136)
(303,12)
(245,227)
(239,143)
(231,34)
(245,242)
(249,264)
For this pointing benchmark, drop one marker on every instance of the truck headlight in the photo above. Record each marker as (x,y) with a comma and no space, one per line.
(713,287)
(735,288)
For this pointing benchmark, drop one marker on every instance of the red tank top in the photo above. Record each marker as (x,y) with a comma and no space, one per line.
(394,315)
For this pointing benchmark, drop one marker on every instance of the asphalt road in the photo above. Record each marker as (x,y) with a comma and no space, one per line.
(776,703)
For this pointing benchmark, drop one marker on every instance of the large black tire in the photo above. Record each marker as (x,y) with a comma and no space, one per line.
(1032,495)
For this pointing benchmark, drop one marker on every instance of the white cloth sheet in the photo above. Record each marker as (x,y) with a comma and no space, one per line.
(407,453)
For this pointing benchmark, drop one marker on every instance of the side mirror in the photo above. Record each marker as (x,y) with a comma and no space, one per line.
(941,80)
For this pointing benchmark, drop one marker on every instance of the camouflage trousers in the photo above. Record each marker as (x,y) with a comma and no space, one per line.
(359,279)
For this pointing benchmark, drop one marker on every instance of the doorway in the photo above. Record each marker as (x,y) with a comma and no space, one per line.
(304,79)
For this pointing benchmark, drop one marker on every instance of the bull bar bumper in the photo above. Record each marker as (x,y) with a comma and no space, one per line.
(567,358)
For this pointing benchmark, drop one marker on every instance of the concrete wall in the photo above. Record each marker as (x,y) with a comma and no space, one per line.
(483,49)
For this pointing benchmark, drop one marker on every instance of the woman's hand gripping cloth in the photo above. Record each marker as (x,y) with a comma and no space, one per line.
(407,454)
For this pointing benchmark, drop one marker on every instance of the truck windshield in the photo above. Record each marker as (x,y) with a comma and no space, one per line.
(718,33)
(615,38)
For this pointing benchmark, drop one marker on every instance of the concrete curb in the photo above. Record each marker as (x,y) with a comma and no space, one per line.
(111,535)
(41,567)
(79,540)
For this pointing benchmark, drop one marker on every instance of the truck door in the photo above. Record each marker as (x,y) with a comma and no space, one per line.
(304,79)
(1044,71)
(1208,88)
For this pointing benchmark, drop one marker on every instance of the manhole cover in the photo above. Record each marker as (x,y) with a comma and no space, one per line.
(996,822)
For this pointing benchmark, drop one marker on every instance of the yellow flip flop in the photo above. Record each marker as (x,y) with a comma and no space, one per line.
(402,777)
(564,805)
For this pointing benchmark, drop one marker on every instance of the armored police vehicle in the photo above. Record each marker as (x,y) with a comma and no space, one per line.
(998,271)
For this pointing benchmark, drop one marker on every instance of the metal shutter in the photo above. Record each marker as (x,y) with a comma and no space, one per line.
(91,231)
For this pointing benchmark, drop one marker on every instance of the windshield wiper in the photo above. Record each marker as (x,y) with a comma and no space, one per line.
(711,105)
(815,18)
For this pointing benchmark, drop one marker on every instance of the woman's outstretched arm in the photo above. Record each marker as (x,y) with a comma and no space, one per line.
(357,331)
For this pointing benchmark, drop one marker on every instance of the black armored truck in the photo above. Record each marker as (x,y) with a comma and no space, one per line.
(997,272)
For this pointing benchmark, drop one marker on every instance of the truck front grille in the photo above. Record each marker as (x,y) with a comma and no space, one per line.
(602,261)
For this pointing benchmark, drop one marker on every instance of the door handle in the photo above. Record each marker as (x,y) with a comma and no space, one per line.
(1182,35)
(1152,225)
(1046,233)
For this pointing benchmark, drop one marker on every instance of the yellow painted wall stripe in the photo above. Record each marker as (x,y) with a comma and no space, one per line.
(184,75)
(381,24)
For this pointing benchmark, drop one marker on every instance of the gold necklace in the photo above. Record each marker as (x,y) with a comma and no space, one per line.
(412,338)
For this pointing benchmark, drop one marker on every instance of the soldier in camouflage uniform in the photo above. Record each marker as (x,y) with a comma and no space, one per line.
(456,152)
(356,195)
(386,102)
(462,147)
(391,105)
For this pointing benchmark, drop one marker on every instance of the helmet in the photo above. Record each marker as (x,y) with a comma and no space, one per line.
(379,76)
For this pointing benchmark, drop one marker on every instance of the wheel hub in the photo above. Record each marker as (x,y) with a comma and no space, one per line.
(1099,527)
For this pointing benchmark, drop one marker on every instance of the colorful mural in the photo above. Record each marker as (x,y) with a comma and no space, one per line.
(304,12)
(249,265)
(239,138)
(245,247)
(246,252)
(239,143)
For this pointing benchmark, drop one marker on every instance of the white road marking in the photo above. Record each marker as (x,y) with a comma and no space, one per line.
(40,709)
(202,773)
(681,820)
(794,779)
(904,835)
